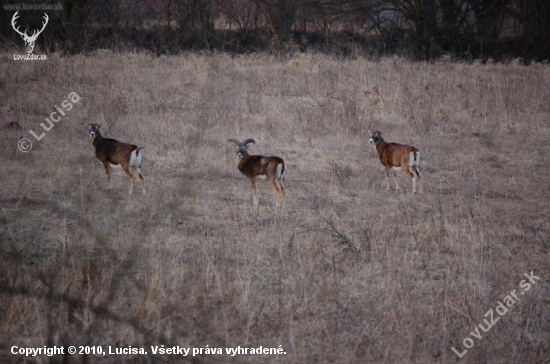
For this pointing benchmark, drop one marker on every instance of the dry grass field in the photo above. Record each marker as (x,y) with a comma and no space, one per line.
(348,273)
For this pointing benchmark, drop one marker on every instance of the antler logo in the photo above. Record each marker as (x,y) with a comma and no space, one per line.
(29,40)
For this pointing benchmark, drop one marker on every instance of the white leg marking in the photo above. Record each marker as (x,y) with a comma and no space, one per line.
(395,179)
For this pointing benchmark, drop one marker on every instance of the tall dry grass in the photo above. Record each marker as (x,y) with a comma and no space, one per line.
(349,273)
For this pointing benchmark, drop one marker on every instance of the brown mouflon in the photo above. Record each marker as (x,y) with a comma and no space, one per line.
(397,156)
(111,151)
(253,166)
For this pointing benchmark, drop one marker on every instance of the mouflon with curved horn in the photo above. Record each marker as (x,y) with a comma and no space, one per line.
(253,166)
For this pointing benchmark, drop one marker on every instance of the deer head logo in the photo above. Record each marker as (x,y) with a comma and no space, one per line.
(29,39)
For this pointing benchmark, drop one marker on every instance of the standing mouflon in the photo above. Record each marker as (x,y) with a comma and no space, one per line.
(253,166)
(111,151)
(397,156)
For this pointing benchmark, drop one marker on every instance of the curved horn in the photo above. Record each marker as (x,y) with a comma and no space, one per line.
(248,141)
(234,141)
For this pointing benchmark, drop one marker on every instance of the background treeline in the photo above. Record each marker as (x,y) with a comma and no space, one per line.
(422,29)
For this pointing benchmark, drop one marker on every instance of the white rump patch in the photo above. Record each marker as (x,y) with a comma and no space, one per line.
(414,161)
(281,175)
(135,160)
